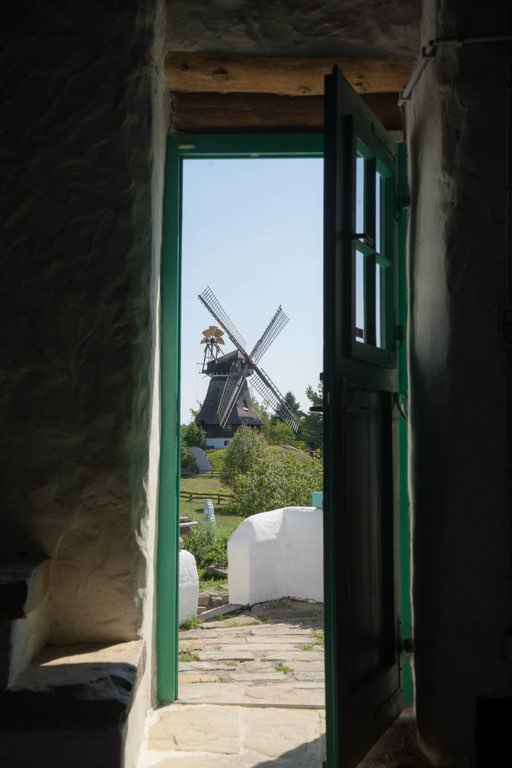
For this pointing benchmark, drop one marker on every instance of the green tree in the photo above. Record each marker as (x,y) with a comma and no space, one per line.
(187,458)
(280,433)
(312,428)
(293,405)
(247,447)
(275,430)
(277,480)
(193,435)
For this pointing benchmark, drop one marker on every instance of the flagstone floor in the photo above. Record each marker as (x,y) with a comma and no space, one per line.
(251,695)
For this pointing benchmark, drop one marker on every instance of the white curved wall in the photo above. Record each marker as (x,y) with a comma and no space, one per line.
(189,586)
(277,554)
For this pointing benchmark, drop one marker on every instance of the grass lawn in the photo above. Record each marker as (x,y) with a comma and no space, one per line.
(223,517)
(203,484)
(210,486)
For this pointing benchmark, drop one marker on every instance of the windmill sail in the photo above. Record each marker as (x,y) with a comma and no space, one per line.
(266,388)
(269,335)
(231,391)
(212,304)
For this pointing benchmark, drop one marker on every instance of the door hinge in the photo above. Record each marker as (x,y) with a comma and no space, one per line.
(405,643)
(401,403)
(404,201)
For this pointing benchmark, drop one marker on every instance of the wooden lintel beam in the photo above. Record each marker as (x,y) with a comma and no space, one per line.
(206,73)
(239,113)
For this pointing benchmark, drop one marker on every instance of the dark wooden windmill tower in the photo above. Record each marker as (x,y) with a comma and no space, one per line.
(228,403)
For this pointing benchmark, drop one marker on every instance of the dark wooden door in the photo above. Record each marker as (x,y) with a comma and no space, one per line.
(361,436)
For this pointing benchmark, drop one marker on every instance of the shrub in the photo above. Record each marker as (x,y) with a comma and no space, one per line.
(278,480)
(246,449)
(209,544)
(187,458)
(193,435)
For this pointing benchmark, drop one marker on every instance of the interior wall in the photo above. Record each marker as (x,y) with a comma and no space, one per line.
(299,28)
(456,124)
(80,203)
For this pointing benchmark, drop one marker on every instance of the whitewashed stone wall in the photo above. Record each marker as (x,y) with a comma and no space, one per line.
(188,586)
(277,554)
(80,205)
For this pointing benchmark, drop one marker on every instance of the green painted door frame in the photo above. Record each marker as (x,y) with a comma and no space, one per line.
(180,148)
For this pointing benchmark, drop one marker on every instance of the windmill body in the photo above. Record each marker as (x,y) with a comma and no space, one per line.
(228,403)
(242,412)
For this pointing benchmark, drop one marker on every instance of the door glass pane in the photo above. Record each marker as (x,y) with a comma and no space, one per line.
(359,195)
(378,204)
(379,331)
(360,299)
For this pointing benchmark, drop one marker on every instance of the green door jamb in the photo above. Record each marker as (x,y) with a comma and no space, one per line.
(169,491)
(179,148)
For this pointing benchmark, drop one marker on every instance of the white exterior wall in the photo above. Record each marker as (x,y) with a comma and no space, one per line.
(189,586)
(218,442)
(277,554)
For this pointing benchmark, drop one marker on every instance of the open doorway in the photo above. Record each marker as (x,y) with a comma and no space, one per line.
(251,232)
(169,499)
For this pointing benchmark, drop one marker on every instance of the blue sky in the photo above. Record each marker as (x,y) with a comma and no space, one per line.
(252,232)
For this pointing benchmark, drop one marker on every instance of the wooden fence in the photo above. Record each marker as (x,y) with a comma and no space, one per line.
(193,496)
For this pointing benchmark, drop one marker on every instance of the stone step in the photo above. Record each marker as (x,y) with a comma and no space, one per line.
(86,691)
(23,591)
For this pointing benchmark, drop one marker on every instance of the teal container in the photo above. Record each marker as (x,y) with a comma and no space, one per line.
(317,498)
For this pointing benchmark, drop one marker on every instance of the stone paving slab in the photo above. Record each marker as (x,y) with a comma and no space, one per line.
(244,736)
(235,654)
(289,693)
(241,702)
(275,732)
(195,728)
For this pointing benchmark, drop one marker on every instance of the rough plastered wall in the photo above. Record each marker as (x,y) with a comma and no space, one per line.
(80,195)
(456,125)
(296,27)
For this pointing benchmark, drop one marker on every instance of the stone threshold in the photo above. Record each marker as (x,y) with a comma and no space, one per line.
(251,704)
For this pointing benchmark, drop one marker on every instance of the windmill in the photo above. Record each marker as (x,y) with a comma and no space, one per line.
(227,404)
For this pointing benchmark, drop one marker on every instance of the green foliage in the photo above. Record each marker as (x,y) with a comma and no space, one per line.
(280,667)
(277,480)
(209,544)
(276,431)
(246,622)
(213,584)
(187,655)
(279,433)
(293,404)
(312,423)
(317,640)
(186,457)
(193,435)
(246,449)
(310,436)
